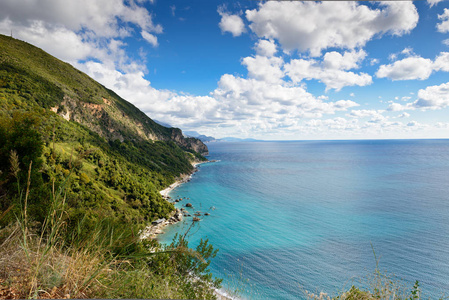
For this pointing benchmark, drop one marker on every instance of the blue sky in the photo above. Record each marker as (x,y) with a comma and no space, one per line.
(268,70)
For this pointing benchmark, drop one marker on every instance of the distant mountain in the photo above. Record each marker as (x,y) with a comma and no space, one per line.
(202,137)
(233,139)
(208,139)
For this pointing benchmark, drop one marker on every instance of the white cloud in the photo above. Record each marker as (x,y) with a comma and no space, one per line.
(407,51)
(150,38)
(314,26)
(101,16)
(57,40)
(433,97)
(231,23)
(300,69)
(264,68)
(266,48)
(364,113)
(400,107)
(74,30)
(257,98)
(347,61)
(441,62)
(433,2)
(442,125)
(444,25)
(406,69)
(414,67)
(404,115)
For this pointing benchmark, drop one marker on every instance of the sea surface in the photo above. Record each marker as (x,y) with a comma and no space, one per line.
(290,217)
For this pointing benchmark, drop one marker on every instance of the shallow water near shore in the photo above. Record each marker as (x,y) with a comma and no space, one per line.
(296,216)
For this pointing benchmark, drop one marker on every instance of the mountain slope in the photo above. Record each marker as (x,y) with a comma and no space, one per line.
(75,96)
(109,156)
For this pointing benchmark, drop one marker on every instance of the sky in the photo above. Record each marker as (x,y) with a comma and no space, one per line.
(273,70)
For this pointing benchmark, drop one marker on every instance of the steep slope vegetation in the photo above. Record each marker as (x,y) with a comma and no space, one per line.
(110,156)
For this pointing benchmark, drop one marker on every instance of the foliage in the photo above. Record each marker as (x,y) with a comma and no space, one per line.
(50,261)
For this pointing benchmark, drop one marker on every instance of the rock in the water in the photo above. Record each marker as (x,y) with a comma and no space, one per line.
(189,205)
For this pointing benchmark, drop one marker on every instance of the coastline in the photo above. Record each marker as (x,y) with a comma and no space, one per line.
(156,228)
(184,178)
(152,231)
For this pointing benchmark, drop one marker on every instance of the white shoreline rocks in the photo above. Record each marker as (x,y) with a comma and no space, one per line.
(153,230)
(156,227)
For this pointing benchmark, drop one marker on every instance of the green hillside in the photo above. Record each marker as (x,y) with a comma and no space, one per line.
(80,175)
(118,158)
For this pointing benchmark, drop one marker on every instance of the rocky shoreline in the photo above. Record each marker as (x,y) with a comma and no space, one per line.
(156,227)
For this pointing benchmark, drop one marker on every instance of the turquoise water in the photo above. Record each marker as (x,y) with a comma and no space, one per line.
(295,216)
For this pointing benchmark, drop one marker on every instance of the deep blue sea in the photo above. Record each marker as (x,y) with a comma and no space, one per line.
(302,215)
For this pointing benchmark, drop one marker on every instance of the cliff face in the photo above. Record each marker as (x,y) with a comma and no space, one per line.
(108,120)
(189,143)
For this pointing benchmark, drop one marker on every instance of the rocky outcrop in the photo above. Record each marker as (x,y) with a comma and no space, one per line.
(188,143)
(156,227)
(109,121)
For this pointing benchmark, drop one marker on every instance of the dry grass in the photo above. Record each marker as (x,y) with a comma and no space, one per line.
(31,268)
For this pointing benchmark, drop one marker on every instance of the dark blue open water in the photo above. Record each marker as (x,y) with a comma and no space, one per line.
(295,216)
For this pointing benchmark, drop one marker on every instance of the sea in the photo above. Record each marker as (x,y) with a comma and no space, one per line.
(298,217)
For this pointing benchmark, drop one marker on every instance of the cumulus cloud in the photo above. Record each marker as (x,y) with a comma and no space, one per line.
(100,17)
(444,25)
(266,48)
(394,106)
(314,26)
(326,72)
(264,68)
(262,98)
(407,69)
(58,40)
(76,30)
(363,113)
(231,23)
(414,67)
(347,61)
(441,62)
(433,97)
